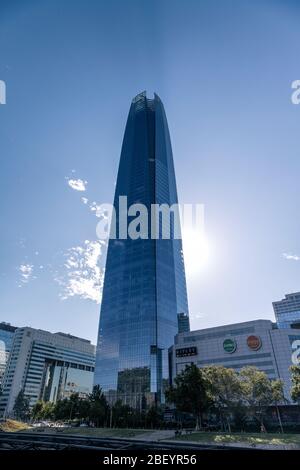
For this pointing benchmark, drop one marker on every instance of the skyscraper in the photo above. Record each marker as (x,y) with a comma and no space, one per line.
(144,288)
(287,311)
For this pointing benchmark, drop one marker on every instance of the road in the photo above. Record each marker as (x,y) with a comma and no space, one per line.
(38,441)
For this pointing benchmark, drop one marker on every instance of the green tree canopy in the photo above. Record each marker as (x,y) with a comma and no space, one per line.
(99,408)
(259,392)
(38,410)
(190,392)
(295,377)
(225,391)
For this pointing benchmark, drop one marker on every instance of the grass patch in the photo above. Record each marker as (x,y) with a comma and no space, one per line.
(105,432)
(94,432)
(246,438)
(11,425)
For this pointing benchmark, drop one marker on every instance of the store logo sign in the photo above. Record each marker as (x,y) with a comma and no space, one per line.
(183,352)
(229,345)
(254,342)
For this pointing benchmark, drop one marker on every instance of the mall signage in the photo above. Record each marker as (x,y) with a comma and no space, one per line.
(183,352)
(229,345)
(254,342)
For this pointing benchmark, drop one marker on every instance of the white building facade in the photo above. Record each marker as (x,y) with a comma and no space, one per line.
(256,343)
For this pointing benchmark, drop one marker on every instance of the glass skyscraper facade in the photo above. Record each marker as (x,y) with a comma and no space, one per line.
(6,339)
(144,288)
(287,311)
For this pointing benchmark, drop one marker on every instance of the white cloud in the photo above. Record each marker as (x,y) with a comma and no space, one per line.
(84,200)
(83,276)
(197,316)
(77,185)
(98,209)
(291,257)
(26,272)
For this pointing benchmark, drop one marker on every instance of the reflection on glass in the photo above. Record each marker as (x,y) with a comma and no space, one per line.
(60,380)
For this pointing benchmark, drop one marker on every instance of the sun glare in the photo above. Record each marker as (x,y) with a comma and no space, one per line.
(196,251)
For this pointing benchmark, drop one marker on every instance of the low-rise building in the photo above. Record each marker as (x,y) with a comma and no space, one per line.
(258,343)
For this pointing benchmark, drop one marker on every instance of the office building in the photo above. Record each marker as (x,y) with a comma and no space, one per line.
(46,366)
(287,311)
(6,338)
(144,287)
(256,343)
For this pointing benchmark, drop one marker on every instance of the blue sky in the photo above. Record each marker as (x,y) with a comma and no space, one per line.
(224,71)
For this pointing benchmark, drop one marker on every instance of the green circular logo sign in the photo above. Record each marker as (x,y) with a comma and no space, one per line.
(229,345)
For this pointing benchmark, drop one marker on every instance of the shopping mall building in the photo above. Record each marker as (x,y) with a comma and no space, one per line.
(258,343)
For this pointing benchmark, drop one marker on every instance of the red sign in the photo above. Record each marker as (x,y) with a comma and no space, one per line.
(254,342)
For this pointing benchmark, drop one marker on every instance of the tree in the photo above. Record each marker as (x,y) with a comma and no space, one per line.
(239,414)
(225,390)
(21,407)
(154,417)
(121,414)
(278,397)
(37,411)
(190,392)
(259,392)
(74,405)
(68,408)
(295,378)
(83,408)
(98,406)
(62,409)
